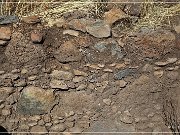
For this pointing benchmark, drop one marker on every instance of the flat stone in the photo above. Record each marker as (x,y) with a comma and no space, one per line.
(99,29)
(62,75)
(119,66)
(160,63)
(108,70)
(35,101)
(71,32)
(58,84)
(58,128)
(5,33)
(38,129)
(77,79)
(80,24)
(81,87)
(2,42)
(32,78)
(2,72)
(79,73)
(31,19)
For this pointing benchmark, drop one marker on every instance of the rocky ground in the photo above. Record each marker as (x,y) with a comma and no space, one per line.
(84,75)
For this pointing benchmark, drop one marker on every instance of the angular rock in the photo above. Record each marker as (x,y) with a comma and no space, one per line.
(5,33)
(79,73)
(80,24)
(8,19)
(62,75)
(114,15)
(35,101)
(36,36)
(31,19)
(99,29)
(67,52)
(58,84)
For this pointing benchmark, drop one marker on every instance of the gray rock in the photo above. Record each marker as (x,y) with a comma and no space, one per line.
(99,29)
(123,73)
(117,50)
(101,46)
(112,46)
(34,101)
(8,19)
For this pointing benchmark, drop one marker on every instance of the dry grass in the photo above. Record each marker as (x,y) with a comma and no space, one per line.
(153,15)
(157,16)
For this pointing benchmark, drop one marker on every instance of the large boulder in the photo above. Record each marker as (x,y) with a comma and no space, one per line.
(34,101)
